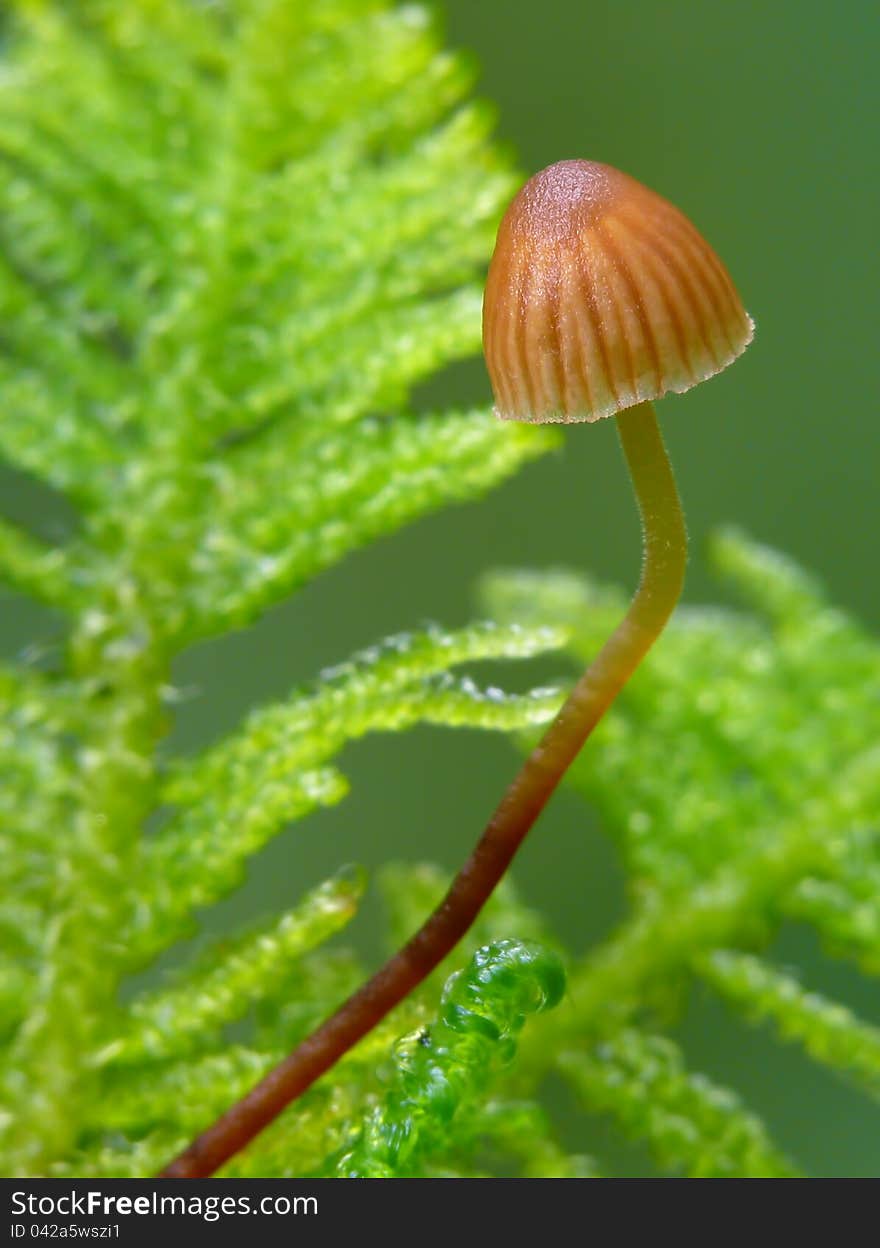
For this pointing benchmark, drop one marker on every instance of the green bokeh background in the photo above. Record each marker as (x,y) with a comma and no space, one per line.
(754,118)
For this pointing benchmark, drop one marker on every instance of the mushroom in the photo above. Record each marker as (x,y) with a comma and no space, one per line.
(601,296)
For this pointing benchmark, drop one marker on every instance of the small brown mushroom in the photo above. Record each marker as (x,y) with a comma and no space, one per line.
(601,296)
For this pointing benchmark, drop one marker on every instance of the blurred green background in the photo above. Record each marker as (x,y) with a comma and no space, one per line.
(755,119)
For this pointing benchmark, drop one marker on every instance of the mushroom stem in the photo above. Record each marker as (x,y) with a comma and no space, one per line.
(664,557)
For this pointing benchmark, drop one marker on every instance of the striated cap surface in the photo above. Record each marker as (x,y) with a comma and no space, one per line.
(601,295)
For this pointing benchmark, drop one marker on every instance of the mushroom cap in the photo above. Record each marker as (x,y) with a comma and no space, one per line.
(601,295)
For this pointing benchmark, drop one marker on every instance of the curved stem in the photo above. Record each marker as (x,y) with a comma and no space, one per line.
(664,557)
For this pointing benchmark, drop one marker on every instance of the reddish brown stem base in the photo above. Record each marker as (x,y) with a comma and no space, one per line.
(665,551)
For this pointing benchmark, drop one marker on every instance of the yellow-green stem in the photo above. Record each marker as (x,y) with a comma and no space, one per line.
(664,557)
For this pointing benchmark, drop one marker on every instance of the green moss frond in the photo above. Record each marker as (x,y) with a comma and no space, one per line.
(231,243)
(739,776)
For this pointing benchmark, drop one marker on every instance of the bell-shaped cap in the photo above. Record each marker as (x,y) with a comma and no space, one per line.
(602,295)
